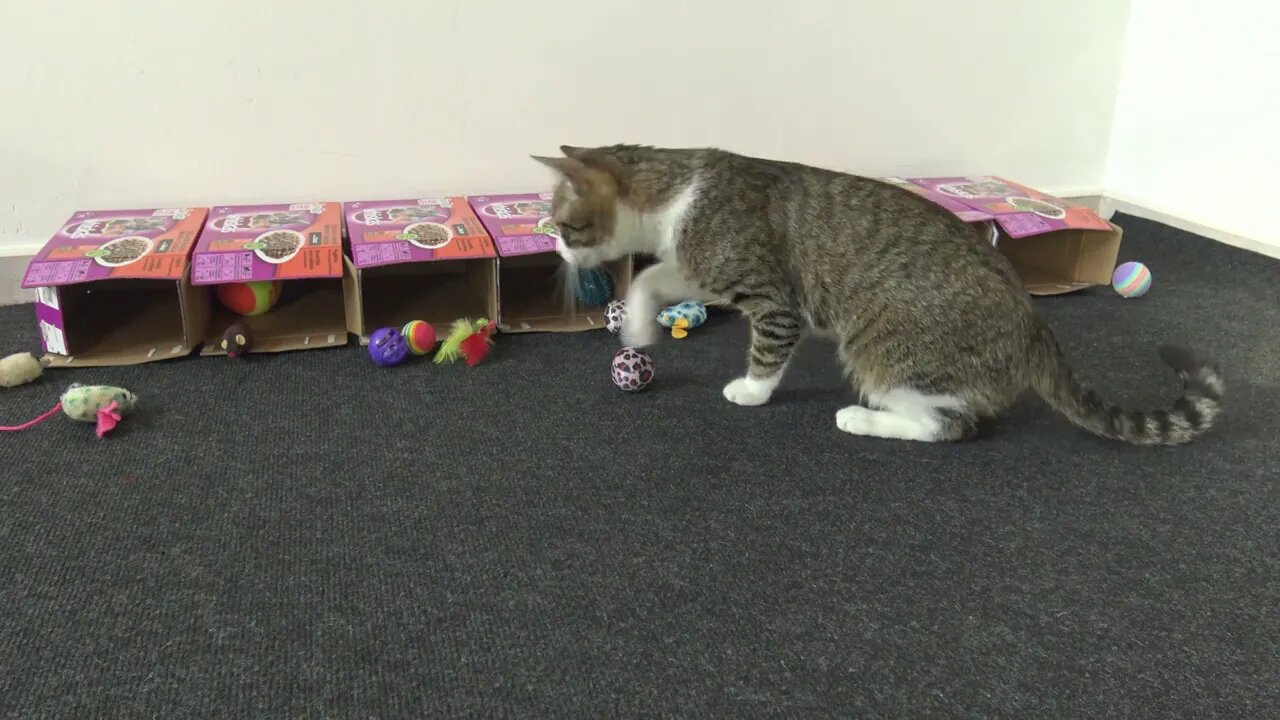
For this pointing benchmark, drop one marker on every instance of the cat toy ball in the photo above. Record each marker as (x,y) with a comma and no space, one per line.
(249,298)
(102,404)
(632,369)
(388,347)
(595,287)
(614,314)
(420,336)
(1131,280)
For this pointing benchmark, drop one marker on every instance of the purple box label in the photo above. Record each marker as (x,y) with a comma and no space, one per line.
(269,242)
(123,244)
(385,232)
(1019,210)
(520,224)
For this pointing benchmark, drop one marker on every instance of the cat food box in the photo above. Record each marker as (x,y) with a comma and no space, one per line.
(420,259)
(535,292)
(1056,246)
(114,287)
(299,247)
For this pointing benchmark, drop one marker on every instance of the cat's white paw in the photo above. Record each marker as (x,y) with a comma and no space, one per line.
(856,420)
(748,391)
(639,330)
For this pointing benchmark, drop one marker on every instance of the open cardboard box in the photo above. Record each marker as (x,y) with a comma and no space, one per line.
(425,259)
(531,276)
(299,245)
(113,288)
(1055,246)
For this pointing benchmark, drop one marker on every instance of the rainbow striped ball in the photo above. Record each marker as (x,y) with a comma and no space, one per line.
(1131,279)
(420,336)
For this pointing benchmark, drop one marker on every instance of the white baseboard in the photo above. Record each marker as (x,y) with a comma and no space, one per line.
(1118,202)
(12,267)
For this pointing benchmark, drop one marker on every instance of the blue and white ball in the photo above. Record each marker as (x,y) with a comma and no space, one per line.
(595,287)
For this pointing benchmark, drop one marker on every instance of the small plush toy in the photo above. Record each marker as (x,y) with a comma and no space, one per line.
(20,369)
(1131,279)
(249,298)
(237,340)
(388,347)
(632,369)
(595,287)
(420,336)
(683,317)
(467,339)
(102,404)
(614,314)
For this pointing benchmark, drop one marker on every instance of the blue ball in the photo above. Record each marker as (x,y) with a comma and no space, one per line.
(595,287)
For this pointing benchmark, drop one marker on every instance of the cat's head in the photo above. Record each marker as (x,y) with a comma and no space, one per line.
(584,207)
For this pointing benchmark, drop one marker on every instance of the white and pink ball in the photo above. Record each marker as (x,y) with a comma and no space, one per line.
(632,369)
(614,314)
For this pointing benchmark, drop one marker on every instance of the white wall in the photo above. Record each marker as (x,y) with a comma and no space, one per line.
(139,103)
(1197,123)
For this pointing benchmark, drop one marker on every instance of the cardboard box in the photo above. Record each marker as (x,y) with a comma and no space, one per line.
(113,288)
(1056,246)
(426,259)
(533,295)
(300,245)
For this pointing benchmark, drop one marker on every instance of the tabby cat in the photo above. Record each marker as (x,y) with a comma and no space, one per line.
(932,323)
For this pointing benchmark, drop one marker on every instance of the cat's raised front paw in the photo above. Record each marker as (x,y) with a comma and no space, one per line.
(748,391)
(639,330)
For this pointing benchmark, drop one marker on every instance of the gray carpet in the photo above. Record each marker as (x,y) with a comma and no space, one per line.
(307,535)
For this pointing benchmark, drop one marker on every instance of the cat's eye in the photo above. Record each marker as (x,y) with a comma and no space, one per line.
(224,344)
(239,339)
(573,228)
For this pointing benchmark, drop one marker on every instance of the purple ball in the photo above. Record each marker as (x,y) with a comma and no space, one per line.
(632,369)
(388,347)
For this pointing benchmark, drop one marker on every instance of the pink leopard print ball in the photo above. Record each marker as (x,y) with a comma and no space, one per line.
(632,369)
(614,314)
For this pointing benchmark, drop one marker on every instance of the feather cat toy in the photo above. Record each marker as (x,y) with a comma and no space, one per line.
(468,339)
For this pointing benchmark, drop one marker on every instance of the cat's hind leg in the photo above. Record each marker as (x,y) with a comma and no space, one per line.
(906,414)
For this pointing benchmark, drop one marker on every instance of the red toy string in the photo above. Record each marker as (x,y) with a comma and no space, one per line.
(33,423)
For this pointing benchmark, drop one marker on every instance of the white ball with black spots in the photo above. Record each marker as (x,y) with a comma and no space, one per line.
(614,314)
(632,369)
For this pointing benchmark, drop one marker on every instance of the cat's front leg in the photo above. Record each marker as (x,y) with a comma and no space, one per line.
(774,333)
(655,285)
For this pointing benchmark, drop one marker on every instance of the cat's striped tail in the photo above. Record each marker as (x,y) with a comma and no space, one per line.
(1190,416)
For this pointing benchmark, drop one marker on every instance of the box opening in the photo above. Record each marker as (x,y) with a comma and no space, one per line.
(1063,261)
(535,293)
(310,313)
(436,292)
(113,317)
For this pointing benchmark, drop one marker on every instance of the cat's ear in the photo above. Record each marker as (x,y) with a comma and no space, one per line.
(565,166)
(572,170)
(573,152)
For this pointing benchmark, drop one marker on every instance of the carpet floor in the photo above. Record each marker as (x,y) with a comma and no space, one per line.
(307,535)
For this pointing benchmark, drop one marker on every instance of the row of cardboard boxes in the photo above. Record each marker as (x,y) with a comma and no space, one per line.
(133,286)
